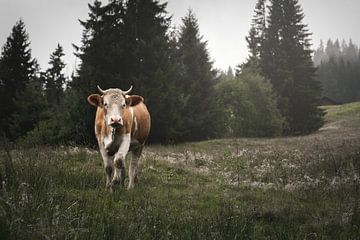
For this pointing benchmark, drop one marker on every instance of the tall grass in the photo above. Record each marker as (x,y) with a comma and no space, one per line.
(62,196)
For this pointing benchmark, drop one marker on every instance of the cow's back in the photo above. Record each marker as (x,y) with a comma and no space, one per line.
(141,122)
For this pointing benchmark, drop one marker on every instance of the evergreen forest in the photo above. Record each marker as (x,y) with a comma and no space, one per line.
(132,43)
(339,70)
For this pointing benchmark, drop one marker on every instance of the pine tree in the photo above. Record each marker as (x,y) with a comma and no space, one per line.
(55,78)
(31,106)
(197,81)
(230,73)
(350,51)
(339,71)
(273,60)
(319,54)
(288,64)
(152,67)
(256,38)
(127,43)
(101,50)
(333,49)
(17,68)
(100,65)
(257,31)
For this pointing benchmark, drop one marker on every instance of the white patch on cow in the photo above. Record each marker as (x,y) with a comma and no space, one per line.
(107,163)
(119,174)
(132,112)
(109,138)
(124,146)
(136,125)
(134,121)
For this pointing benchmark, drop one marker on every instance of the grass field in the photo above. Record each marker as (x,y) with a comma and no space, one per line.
(304,187)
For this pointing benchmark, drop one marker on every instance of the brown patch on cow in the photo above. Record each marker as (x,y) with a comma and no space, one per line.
(127,119)
(100,127)
(119,163)
(143,122)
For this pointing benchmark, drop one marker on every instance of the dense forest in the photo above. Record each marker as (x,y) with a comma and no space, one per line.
(339,70)
(129,42)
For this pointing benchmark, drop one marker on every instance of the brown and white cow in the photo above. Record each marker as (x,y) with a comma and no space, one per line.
(122,124)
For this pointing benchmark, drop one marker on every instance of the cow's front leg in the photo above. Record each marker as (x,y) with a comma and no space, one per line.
(119,161)
(108,166)
(133,168)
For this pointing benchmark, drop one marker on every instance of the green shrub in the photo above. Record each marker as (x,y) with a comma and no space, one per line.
(247,107)
(46,132)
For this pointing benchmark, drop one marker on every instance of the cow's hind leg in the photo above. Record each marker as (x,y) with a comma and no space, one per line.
(108,165)
(133,168)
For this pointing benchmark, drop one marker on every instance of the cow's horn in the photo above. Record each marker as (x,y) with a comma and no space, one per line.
(100,90)
(126,92)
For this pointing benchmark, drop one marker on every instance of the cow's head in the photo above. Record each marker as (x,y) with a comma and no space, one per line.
(114,102)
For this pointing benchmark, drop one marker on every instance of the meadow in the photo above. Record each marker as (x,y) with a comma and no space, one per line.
(303,187)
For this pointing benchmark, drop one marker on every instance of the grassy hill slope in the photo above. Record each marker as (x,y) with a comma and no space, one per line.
(304,187)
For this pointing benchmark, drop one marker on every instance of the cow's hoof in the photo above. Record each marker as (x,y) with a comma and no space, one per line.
(107,187)
(113,184)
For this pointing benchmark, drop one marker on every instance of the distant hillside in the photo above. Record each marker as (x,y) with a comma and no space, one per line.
(345,110)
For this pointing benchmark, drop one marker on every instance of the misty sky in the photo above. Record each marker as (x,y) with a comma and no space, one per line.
(223,23)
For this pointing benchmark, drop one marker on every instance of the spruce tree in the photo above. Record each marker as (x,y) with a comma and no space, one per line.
(17,68)
(319,54)
(31,107)
(255,38)
(197,81)
(127,43)
(349,51)
(100,65)
(339,71)
(151,65)
(55,78)
(288,64)
(101,48)
(257,31)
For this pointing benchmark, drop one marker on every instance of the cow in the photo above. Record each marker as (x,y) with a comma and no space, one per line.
(122,124)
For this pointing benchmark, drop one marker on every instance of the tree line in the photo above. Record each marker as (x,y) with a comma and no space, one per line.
(339,70)
(132,42)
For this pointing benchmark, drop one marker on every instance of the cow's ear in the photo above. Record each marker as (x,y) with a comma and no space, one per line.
(133,100)
(95,100)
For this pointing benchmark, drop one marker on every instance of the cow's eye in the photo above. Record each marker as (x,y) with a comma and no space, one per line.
(105,105)
(124,105)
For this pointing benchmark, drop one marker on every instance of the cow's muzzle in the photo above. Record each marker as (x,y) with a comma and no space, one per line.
(116,121)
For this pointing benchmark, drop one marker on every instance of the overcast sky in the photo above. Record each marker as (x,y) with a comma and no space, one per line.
(223,23)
